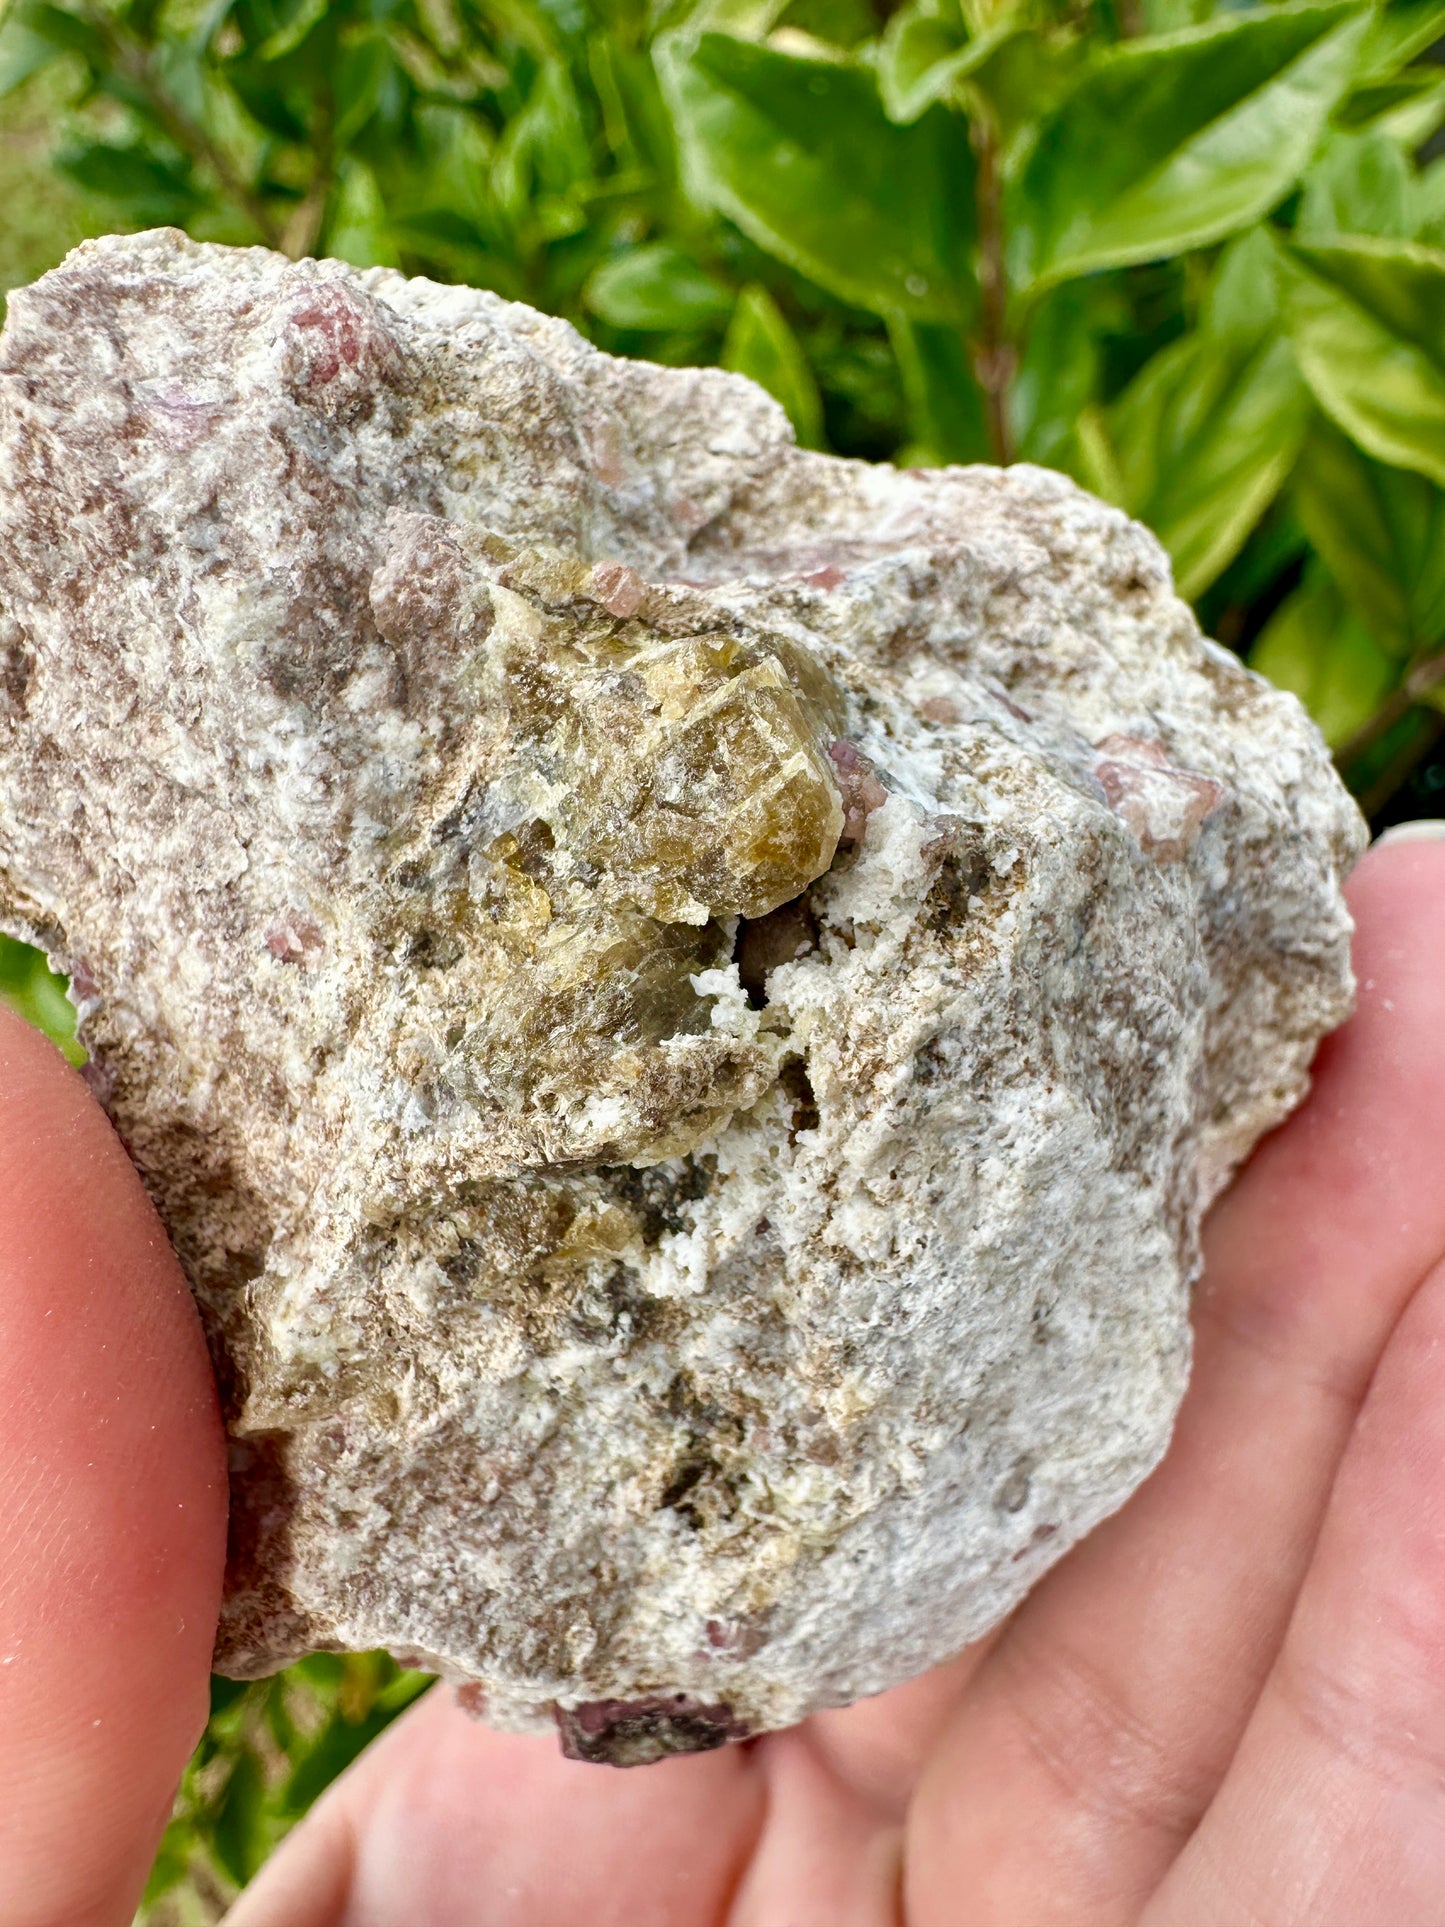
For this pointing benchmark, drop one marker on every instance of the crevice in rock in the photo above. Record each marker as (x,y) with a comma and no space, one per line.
(798,1088)
(763,943)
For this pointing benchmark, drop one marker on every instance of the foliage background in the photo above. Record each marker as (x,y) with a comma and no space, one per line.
(1192,252)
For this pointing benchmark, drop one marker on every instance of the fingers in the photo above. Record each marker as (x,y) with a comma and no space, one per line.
(1333,1811)
(1088,1745)
(445,1823)
(827,1853)
(877,1746)
(112,1506)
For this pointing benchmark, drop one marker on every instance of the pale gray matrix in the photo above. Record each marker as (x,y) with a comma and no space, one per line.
(681,999)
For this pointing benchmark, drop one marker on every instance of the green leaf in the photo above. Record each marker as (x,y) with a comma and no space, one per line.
(172,1861)
(1173,143)
(1381,534)
(404,1691)
(1277,548)
(1430,206)
(1397,33)
(67,32)
(362,72)
(240,1835)
(1172,16)
(1360,184)
(148,188)
(1407,109)
(340,1742)
(946,411)
(255,88)
(357,229)
(1094,458)
(225,1693)
(634,117)
(657,287)
(544,150)
(1208,431)
(22,54)
(801,155)
(303,19)
(1059,372)
(927,50)
(1367,319)
(761,345)
(32,990)
(17,961)
(1315,648)
(324,1672)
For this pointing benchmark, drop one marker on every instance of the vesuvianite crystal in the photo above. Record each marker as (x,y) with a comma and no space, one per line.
(641,769)
(680,999)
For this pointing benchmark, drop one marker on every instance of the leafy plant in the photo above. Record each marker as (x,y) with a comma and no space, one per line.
(268,1750)
(1202,268)
(29,988)
(1190,251)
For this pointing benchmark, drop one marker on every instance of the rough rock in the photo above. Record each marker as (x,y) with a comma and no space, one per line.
(680,998)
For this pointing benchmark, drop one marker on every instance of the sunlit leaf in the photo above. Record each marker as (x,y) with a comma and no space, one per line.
(947,413)
(1208,431)
(761,345)
(1367,319)
(324,1671)
(1360,184)
(1314,647)
(657,287)
(357,229)
(37,995)
(1397,33)
(544,150)
(1430,206)
(303,19)
(1381,533)
(1173,143)
(1406,109)
(172,1862)
(22,54)
(1059,371)
(801,155)
(1171,16)
(927,50)
(403,1691)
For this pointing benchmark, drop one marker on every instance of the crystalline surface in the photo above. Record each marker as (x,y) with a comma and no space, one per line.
(681,999)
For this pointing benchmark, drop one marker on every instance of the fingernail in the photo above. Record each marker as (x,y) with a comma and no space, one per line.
(1428,829)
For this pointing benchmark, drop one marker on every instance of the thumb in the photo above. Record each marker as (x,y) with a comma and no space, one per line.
(112,1506)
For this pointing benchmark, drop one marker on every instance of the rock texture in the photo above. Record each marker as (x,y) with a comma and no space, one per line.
(680,998)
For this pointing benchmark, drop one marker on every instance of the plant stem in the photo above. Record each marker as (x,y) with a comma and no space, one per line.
(1416,687)
(994,360)
(133,60)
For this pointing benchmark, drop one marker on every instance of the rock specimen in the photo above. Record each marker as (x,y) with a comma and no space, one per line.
(681,999)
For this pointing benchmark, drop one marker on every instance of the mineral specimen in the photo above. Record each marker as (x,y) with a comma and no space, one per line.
(681,999)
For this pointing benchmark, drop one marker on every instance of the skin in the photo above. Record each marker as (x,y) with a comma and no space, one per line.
(1225,1709)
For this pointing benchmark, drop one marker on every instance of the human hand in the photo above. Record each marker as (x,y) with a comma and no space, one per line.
(1226,1706)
